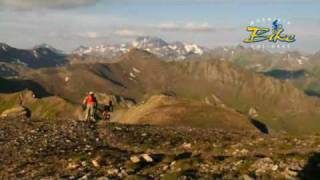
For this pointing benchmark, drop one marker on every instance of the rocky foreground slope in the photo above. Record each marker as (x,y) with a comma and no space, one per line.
(68,149)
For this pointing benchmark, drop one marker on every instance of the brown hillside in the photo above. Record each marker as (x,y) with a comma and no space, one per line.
(166,110)
(139,75)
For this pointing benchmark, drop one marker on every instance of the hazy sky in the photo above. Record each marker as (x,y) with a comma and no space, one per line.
(67,24)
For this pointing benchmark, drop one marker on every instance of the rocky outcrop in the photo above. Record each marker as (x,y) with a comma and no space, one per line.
(253,113)
(16,112)
(24,102)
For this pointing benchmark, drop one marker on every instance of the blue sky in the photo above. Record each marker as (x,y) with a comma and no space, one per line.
(67,24)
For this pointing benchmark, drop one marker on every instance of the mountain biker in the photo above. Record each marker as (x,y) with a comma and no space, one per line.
(90,103)
(110,106)
(106,113)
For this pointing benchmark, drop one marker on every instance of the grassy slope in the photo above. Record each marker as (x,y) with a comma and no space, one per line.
(165,110)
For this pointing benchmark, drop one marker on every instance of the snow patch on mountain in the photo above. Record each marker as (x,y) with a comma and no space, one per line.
(193,48)
(154,45)
(44,48)
(4,47)
(35,54)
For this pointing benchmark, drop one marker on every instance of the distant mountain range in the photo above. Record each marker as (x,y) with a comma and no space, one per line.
(157,46)
(261,61)
(37,57)
(301,70)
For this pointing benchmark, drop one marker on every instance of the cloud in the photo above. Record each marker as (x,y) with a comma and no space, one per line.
(214,1)
(227,1)
(189,26)
(90,35)
(122,33)
(63,4)
(127,33)
(44,4)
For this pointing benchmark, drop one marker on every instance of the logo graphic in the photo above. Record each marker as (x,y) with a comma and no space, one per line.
(276,34)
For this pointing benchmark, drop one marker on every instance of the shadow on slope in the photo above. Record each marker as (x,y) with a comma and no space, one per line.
(312,93)
(12,86)
(260,126)
(285,74)
(312,168)
(300,78)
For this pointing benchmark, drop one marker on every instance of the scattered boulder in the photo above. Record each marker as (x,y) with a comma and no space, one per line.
(186,145)
(72,166)
(135,159)
(290,174)
(264,166)
(147,158)
(247,177)
(112,172)
(253,113)
(143,157)
(102,178)
(95,163)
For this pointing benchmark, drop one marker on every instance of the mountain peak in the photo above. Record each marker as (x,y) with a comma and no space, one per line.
(149,42)
(4,46)
(43,45)
(47,46)
(148,38)
(34,58)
